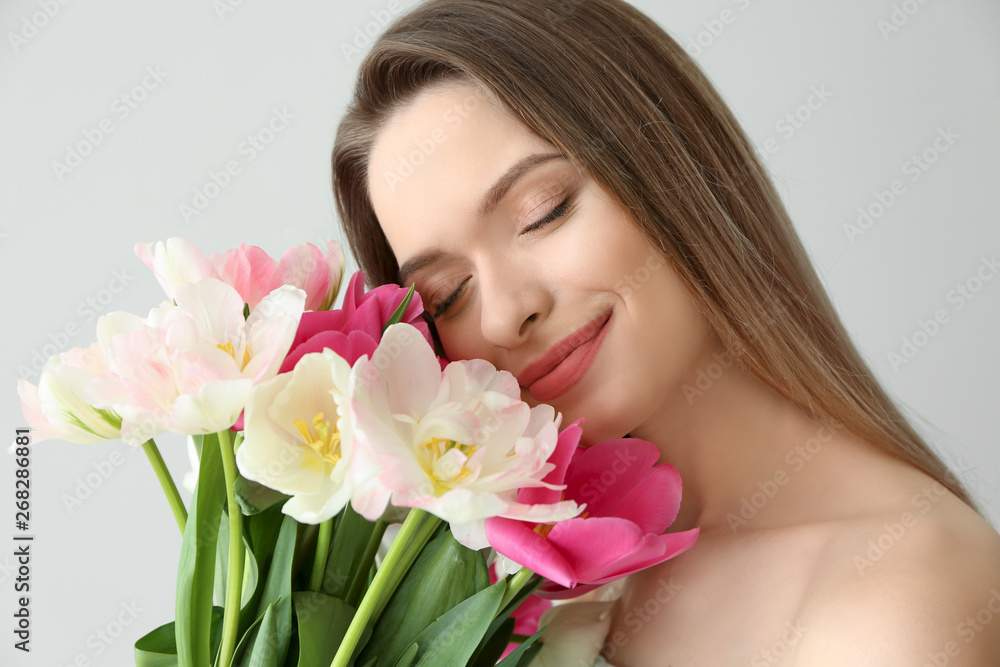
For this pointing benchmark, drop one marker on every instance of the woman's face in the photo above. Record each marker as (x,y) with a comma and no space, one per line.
(531,262)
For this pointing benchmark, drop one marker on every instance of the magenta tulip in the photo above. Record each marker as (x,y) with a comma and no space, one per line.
(355,329)
(630,501)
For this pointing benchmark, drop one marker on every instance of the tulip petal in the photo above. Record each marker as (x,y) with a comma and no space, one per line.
(576,632)
(566,448)
(591,545)
(303,266)
(516,540)
(653,550)
(175,263)
(261,268)
(618,478)
(216,307)
(213,408)
(318,507)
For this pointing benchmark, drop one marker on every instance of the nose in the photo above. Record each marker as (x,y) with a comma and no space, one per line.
(513,302)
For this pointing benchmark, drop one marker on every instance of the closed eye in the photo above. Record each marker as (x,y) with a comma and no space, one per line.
(558,212)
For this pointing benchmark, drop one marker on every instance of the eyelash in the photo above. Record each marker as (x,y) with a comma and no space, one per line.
(558,212)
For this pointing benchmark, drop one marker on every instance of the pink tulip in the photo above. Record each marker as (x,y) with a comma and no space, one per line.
(250,270)
(355,329)
(629,501)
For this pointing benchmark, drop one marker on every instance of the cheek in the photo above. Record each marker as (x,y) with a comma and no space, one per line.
(596,251)
(462,340)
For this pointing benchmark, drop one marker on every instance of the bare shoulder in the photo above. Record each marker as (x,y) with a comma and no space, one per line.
(916,583)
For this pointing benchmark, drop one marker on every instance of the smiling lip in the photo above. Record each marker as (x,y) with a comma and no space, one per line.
(564,363)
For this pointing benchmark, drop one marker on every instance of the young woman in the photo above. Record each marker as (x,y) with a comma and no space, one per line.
(564,185)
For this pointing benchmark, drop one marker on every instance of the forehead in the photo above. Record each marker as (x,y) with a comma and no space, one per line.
(433,161)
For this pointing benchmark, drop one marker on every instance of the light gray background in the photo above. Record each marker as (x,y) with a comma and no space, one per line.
(64,241)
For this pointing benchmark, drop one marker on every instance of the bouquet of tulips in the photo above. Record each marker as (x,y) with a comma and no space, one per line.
(315,431)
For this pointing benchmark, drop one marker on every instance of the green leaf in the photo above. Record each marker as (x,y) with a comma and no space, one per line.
(259,646)
(453,638)
(494,643)
(267,645)
(159,647)
(397,315)
(349,541)
(500,619)
(253,497)
(262,531)
(196,567)
(443,575)
(275,607)
(243,648)
(323,622)
(409,655)
(524,654)
(250,572)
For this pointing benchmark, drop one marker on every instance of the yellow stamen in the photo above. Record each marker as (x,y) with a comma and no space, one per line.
(231,351)
(544,529)
(430,451)
(323,439)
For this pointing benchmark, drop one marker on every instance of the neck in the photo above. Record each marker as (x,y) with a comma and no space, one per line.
(733,440)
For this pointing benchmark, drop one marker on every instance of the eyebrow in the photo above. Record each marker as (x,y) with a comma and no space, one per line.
(492,199)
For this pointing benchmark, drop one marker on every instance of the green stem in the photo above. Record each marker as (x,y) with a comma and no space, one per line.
(419,539)
(520,639)
(517,582)
(166,482)
(322,550)
(234,584)
(360,578)
(379,587)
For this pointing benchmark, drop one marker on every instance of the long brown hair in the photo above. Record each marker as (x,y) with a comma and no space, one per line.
(617,95)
